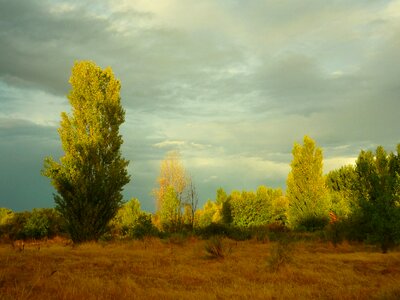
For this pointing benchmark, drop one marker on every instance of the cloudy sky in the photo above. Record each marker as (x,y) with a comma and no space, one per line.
(231,84)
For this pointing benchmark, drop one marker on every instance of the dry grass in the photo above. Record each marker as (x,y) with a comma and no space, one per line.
(152,269)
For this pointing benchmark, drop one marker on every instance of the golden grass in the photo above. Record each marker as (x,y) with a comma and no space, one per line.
(153,269)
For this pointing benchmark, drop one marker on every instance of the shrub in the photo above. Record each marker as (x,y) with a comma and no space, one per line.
(239,234)
(15,226)
(37,225)
(215,248)
(212,230)
(144,227)
(335,232)
(312,223)
(56,222)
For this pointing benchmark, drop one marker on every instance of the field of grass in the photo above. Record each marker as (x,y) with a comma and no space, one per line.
(156,269)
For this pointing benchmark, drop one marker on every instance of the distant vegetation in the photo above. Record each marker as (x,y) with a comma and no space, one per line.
(360,202)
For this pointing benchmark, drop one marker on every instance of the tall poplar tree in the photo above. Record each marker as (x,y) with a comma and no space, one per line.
(90,176)
(306,189)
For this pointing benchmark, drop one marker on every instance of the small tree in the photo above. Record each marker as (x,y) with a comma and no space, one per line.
(90,176)
(127,217)
(192,200)
(170,211)
(208,214)
(378,194)
(172,184)
(306,189)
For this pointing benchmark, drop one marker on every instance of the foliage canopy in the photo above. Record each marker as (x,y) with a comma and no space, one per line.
(306,189)
(90,176)
(378,194)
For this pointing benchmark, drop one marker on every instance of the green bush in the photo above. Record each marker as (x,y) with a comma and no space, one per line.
(212,230)
(144,227)
(15,227)
(218,229)
(239,234)
(39,223)
(312,223)
(36,226)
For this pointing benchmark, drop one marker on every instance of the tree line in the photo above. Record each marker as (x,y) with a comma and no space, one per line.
(360,201)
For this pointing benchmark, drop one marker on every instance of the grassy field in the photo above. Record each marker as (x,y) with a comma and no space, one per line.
(155,269)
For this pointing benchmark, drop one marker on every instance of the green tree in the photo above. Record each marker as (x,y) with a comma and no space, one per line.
(126,217)
(5,215)
(37,225)
(340,183)
(306,188)
(90,176)
(378,195)
(207,215)
(170,211)
(249,209)
(172,186)
(221,196)
(280,205)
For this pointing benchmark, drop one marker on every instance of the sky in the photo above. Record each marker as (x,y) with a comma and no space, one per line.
(230,84)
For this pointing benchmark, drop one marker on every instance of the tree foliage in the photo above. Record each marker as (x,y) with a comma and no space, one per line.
(378,194)
(170,193)
(5,215)
(207,215)
(306,189)
(249,209)
(170,211)
(340,183)
(90,176)
(126,217)
(131,222)
(39,223)
(244,209)
(172,174)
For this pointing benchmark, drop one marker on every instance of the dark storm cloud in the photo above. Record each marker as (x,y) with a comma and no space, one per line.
(23,146)
(11,129)
(158,67)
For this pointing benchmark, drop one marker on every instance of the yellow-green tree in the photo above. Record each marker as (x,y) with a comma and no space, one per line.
(306,188)
(127,217)
(5,215)
(208,215)
(169,194)
(170,211)
(90,176)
